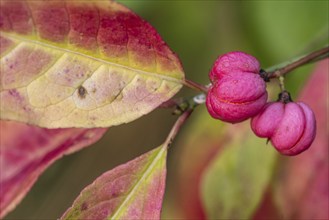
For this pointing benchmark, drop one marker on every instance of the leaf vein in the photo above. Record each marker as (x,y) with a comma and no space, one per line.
(31,16)
(3,55)
(153,164)
(142,72)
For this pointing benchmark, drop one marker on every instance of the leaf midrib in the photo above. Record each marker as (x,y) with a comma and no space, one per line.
(147,172)
(138,71)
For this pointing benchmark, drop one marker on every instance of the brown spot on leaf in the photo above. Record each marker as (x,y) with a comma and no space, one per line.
(84,206)
(82,92)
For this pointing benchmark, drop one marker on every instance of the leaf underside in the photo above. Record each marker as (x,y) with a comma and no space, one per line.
(81,64)
(130,191)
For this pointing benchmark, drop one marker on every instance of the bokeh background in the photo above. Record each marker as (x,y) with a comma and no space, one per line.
(198,31)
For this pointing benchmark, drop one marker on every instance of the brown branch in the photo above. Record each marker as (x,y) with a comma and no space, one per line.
(177,126)
(304,60)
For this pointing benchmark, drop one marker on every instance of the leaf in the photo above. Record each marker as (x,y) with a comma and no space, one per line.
(81,64)
(302,192)
(26,151)
(234,182)
(130,191)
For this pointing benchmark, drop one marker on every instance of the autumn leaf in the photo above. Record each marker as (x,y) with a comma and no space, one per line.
(81,64)
(130,191)
(26,151)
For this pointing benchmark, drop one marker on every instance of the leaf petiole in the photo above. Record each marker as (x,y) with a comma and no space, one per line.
(196,86)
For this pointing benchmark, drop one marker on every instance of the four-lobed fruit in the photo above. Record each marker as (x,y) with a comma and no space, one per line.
(237,92)
(290,127)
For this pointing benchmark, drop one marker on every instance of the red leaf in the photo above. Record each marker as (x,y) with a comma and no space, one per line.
(81,64)
(130,191)
(26,151)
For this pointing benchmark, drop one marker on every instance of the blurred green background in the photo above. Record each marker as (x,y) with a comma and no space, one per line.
(198,31)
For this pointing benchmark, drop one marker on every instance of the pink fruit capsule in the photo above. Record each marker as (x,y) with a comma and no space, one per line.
(237,97)
(291,126)
(233,62)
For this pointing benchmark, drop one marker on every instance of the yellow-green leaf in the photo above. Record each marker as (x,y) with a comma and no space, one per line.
(234,183)
(81,64)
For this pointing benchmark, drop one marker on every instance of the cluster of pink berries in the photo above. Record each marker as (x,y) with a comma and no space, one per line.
(238,92)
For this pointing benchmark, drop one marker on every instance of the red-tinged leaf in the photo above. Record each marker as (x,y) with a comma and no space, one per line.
(302,192)
(81,64)
(26,151)
(130,191)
